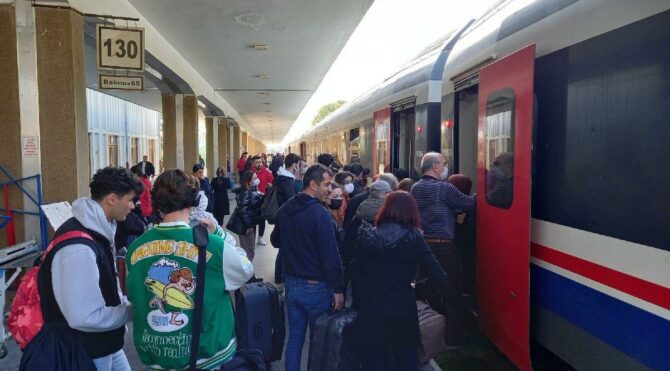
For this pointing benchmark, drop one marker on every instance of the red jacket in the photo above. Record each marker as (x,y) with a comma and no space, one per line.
(145,198)
(241,163)
(265,176)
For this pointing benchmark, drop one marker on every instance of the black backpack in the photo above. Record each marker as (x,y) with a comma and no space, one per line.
(270,206)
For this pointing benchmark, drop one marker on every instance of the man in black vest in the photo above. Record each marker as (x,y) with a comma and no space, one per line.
(78,280)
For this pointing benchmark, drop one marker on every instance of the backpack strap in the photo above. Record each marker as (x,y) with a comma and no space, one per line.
(64,237)
(200,239)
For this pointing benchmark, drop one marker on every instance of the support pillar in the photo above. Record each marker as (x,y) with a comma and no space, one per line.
(63,131)
(210,140)
(10,118)
(244,141)
(190,131)
(222,141)
(173,132)
(180,131)
(237,144)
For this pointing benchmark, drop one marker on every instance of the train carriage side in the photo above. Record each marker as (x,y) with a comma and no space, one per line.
(388,127)
(600,236)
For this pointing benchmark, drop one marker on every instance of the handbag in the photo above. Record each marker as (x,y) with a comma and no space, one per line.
(235,223)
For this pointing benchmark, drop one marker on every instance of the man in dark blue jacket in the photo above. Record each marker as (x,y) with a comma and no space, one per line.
(312,265)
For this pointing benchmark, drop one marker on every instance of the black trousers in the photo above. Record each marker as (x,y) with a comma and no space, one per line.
(261,229)
(451,303)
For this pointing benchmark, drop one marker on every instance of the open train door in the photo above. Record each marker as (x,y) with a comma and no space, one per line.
(503,203)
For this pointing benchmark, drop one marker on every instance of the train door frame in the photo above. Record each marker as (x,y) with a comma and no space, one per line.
(303,150)
(405,108)
(503,202)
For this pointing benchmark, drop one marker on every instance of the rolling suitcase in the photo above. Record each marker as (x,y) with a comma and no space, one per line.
(330,346)
(433,329)
(259,319)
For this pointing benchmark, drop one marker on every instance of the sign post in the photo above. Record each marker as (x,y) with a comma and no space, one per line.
(120,48)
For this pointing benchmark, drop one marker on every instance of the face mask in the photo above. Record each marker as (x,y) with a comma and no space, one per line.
(303,170)
(298,186)
(255,182)
(445,173)
(349,188)
(335,203)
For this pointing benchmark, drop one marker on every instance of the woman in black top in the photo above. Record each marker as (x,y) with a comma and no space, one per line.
(220,185)
(383,269)
(249,202)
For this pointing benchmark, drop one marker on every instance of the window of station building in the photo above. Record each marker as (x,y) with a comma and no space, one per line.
(151,143)
(500,148)
(354,143)
(113,150)
(134,154)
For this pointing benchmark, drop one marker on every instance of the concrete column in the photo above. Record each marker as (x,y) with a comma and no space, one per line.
(237,144)
(180,131)
(190,131)
(209,138)
(173,129)
(222,141)
(62,104)
(244,141)
(10,118)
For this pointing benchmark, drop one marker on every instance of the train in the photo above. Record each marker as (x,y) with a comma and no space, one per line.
(573,96)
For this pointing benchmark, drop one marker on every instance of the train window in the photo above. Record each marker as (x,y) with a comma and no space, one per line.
(500,148)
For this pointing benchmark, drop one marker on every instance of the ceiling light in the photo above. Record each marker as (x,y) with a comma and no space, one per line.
(259,46)
(267,103)
(262,77)
(263,93)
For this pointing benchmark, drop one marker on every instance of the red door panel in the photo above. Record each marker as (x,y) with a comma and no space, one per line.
(503,203)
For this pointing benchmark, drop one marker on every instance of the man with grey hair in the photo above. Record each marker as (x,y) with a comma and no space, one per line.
(437,199)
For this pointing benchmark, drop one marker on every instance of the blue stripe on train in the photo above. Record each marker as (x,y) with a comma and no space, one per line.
(638,333)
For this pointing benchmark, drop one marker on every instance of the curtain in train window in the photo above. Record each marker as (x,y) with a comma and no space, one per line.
(500,148)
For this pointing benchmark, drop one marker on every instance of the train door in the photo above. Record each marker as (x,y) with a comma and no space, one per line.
(402,127)
(381,140)
(503,203)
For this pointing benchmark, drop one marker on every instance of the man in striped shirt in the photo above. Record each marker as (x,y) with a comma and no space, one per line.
(437,199)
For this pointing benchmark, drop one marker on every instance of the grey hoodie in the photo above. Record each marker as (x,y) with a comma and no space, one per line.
(75,277)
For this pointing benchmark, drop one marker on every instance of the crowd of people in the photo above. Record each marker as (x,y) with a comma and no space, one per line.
(342,238)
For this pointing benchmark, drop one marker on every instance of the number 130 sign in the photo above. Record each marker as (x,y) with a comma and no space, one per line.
(121,48)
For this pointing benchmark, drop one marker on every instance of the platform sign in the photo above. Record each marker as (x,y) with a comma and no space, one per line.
(112,82)
(120,48)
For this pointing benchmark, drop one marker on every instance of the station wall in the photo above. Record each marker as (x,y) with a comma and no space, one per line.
(120,131)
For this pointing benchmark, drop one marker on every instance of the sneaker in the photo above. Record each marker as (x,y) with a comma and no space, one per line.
(261,241)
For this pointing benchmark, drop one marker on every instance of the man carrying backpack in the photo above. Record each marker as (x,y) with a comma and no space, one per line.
(78,283)
(163,278)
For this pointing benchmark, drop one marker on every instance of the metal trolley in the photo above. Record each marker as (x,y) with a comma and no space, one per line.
(22,255)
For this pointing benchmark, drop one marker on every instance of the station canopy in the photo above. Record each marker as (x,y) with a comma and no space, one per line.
(258,62)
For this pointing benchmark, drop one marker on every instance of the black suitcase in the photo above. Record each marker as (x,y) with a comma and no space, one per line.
(330,347)
(259,319)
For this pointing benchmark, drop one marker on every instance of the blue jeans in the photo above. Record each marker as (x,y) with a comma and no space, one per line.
(304,302)
(113,362)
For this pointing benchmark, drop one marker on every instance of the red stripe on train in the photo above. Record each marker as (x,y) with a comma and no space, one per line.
(645,290)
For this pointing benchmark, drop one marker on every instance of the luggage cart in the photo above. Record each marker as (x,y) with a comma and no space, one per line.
(22,255)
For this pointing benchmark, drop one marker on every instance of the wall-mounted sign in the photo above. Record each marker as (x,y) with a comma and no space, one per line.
(31,146)
(120,48)
(111,82)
